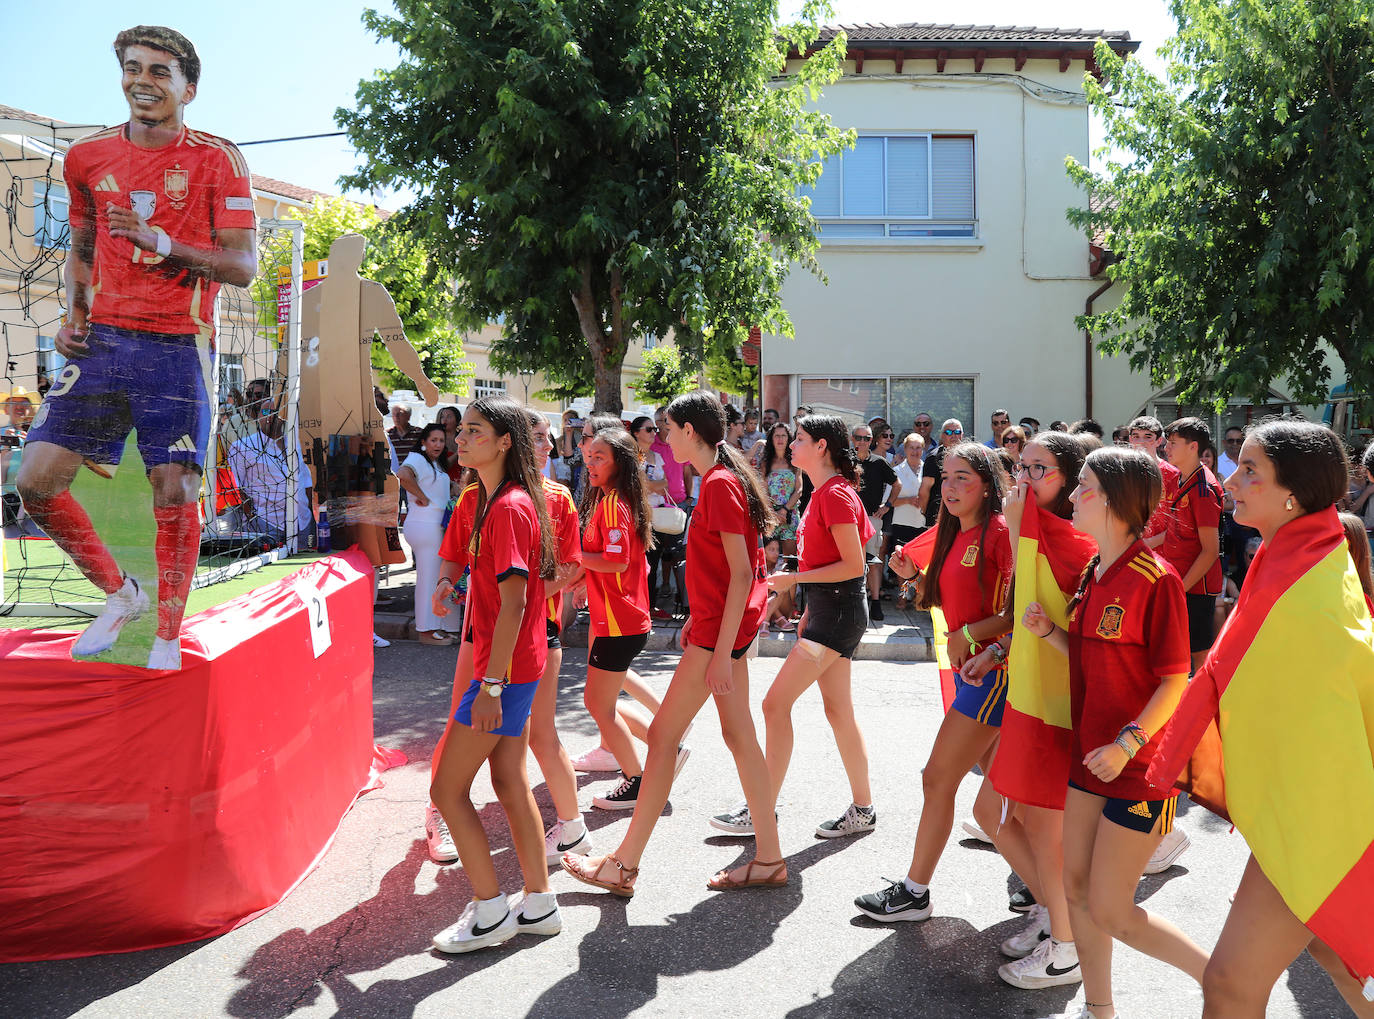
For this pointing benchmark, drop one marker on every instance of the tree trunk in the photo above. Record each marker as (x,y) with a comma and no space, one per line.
(607,348)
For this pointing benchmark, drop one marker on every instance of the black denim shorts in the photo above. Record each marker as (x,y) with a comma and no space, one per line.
(836,615)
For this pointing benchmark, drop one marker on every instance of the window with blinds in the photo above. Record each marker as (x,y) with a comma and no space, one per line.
(909,185)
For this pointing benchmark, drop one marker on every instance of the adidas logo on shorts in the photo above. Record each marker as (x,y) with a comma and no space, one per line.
(1140,809)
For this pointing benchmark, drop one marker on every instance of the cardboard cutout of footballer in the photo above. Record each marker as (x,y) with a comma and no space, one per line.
(339,320)
(161,216)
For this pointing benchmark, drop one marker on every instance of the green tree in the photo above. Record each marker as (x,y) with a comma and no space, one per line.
(401,263)
(596,170)
(1241,212)
(728,373)
(663,375)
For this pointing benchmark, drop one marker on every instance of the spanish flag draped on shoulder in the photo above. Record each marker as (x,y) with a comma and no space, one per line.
(1290,684)
(1032,763)
(919,550)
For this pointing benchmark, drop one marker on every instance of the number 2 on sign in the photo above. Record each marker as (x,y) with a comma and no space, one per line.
(317,613)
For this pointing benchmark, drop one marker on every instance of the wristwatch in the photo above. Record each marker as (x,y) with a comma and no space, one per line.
(493,687)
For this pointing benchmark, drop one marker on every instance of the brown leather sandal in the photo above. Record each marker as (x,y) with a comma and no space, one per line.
(622,885)
(773,875)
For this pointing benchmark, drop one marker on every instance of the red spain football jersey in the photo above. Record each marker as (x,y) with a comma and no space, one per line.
(458,534)
(508,545)
(1129,631)
(834,503)
(1196,504)
(1159,519)
(618,602)
(566,526)
(721,509)
(188,190)
(976,574)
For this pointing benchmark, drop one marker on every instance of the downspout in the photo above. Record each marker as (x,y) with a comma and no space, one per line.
(1088,349)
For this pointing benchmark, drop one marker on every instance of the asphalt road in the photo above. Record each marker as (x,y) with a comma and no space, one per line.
(353,939)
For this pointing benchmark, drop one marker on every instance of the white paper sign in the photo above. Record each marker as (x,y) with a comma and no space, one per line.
(318,613)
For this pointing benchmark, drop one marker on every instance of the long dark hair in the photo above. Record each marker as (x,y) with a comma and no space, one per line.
(836,435)
(629,483)
(507,417)
(706,416)
(980,458)
(442,458)
(770,454)
(1131,486)
(1068,454)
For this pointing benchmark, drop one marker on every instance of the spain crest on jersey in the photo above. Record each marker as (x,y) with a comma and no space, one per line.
(176,184)
(970,556)
(1110,624)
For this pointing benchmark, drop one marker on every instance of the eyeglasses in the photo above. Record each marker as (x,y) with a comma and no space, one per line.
(1034,471)
(862,438)
(954,431)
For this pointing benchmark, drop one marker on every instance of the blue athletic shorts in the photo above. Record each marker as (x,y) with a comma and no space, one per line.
(516,699)
(981,703)
(158,385)
(1138,815)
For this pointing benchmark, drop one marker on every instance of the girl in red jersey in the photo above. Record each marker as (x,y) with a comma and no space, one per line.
(512,552)
(614,538)
(968,579)
(1127,643)
(722,545)
(568,833)
(831,541)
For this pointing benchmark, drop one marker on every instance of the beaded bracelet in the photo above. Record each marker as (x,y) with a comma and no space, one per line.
(1136,731)
(1126,747)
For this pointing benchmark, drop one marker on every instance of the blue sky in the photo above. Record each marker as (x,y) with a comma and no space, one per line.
(276,69)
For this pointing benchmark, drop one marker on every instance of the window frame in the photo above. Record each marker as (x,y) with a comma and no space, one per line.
(887,221)
(836,383)
(44,194)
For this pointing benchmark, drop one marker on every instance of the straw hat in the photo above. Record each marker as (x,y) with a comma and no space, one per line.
(20,393)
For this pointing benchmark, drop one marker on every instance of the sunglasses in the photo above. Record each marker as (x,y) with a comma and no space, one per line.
(1233,442)
(862,438)
(1011,440)
(1034,471)
(923,424)
(954,431)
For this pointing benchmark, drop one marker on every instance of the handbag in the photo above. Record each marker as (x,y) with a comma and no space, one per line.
(669,519)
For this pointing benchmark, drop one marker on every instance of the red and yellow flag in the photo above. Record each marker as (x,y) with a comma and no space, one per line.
(1290,684)
(919,550)
(1032,763)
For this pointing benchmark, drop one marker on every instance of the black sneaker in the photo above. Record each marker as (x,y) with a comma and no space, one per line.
(894,903)
(875,610)
(1021,901)
(625,797)
(854,821)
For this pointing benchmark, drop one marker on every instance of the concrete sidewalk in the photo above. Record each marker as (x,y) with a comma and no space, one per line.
(903,636)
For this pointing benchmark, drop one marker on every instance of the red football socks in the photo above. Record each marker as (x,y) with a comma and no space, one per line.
(178,546)
(66,523)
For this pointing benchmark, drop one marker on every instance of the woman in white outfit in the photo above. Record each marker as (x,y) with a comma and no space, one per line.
(424,475)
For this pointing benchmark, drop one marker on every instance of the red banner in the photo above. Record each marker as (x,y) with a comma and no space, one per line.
(143,809)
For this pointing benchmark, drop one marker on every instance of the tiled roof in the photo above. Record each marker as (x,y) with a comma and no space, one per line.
(997,35)
(285,190)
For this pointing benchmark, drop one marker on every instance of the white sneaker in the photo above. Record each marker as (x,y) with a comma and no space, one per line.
(974,832)
(735,821)
(121,608)
(470,933)
(538,914)
(596,759)
(852,822)
(380,641)
(1020,945)
(440,839)
(1051,964)
(1170,848)
(555,846)
(166,654)
(682,754)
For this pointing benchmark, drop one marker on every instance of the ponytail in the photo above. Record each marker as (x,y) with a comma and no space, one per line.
(706,416)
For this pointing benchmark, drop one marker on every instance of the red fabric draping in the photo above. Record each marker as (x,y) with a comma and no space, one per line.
(140,809)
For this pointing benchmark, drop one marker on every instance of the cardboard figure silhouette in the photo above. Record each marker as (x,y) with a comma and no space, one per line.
(338,416)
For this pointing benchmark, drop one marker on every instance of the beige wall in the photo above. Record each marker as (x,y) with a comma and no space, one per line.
(998,307)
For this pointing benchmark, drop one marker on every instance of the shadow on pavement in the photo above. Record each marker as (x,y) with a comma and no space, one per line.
(619,964)
(59,988)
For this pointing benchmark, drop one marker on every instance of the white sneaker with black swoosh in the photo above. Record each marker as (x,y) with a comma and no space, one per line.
(893,903)
(478,927)
(538,914)
(555,843)
(1051,964)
